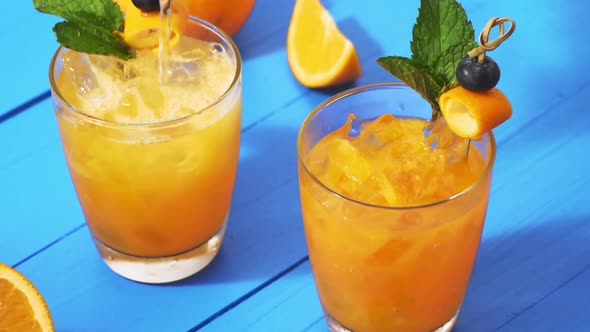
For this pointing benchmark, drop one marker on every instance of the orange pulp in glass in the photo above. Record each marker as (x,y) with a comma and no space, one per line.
(161,185)
(396,254)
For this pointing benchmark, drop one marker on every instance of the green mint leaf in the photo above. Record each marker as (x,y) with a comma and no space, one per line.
(87,39)
(440,25)
(98,22)
(445,65)
(442,36)
(415,75)
(104,14)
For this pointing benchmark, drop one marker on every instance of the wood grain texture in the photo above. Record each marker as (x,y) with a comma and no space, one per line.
(534,254)
(37,201)
(532,268)
(27,47)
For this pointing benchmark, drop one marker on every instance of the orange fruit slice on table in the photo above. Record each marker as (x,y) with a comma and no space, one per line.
(471,114)
(22,308)
(319,54)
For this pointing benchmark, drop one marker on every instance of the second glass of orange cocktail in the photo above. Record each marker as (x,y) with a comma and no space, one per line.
(153,160)
(393,208)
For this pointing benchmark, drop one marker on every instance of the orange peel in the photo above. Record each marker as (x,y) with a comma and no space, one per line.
(471,114)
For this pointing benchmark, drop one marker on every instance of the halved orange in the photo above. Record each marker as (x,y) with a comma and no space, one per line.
(228,15)
(22,308)
(471,114)
(318,53)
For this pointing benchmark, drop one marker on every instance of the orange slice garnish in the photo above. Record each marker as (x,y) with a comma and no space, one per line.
(142,30)
(471,114)
(123,4)
(318,53)
(22,308)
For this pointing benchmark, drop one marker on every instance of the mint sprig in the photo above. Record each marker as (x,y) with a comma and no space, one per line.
(414,74)
(442,36)
(91,26)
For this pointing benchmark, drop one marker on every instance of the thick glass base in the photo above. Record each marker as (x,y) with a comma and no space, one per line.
(335,326)
(157,270)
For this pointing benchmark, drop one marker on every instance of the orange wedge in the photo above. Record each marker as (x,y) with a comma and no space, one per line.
(318,53)
(471,114)
(22,308)
(142,30)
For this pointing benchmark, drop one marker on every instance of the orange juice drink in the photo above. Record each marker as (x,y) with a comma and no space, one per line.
(153,162)
(393,209)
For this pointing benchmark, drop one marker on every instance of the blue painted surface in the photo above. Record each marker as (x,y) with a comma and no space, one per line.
(533,268)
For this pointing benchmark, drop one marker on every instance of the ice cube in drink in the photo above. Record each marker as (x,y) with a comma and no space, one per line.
(392,221)
(153,161)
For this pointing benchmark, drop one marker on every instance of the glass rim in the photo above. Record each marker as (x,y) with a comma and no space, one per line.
(387,85)
(110,123)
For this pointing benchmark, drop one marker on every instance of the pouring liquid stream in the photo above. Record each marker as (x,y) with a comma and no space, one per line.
(164,39)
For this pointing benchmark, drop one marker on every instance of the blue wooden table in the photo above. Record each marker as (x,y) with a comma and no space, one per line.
(533,268)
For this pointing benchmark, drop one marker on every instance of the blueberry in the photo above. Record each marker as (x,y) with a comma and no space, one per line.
(478,77)
(147,6)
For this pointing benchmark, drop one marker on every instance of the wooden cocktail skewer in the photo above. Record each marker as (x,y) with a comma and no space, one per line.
(486,45)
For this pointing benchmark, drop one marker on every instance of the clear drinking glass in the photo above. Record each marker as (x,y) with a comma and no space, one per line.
(156,195)
(380,268)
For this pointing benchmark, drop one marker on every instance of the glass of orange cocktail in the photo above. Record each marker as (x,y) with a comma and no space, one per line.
(153,161)
(393,208)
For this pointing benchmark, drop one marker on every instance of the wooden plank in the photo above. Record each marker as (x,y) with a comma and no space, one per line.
(21,154)
(290,304)
(538,216)
(265,234)
(260,242)
(84,295)
(27,77)
(564,310)
(535,238)
(29,45)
